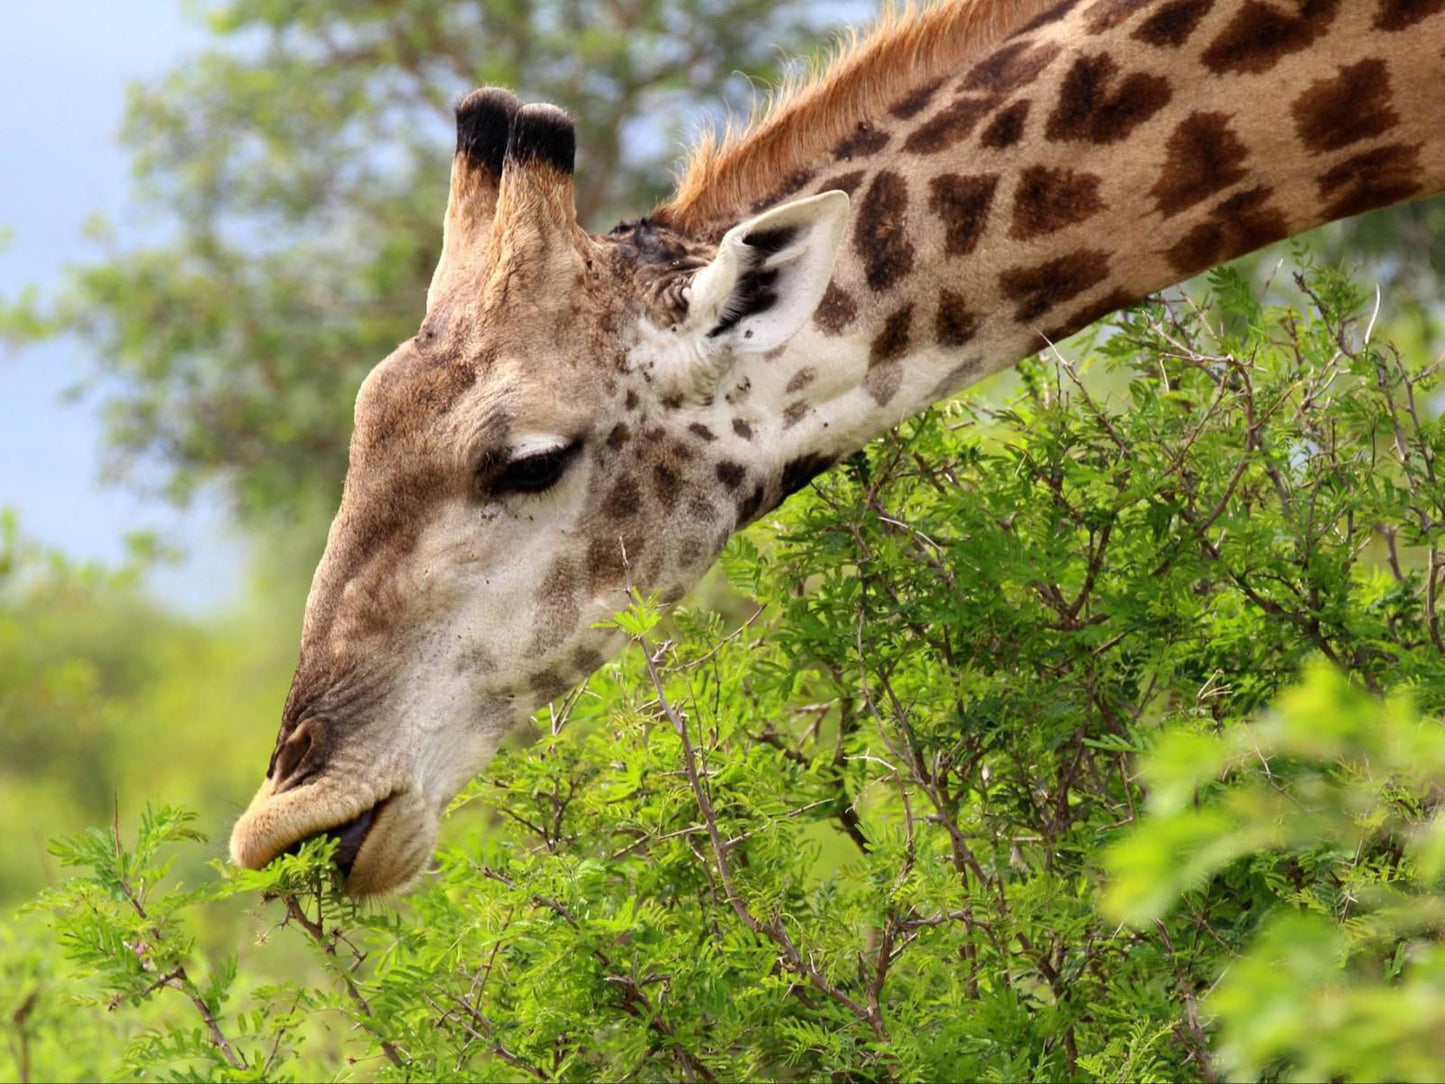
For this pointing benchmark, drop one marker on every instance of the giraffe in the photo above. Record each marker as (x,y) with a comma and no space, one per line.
(580,415)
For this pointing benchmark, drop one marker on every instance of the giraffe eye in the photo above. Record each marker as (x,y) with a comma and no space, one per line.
(535,473)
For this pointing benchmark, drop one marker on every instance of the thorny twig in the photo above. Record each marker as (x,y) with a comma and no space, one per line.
(772,927)
(177,979)
(318,933)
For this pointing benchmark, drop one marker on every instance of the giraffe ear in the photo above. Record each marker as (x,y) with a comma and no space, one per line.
(768,276)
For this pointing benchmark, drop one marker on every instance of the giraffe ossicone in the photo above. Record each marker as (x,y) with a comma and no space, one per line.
(580,415)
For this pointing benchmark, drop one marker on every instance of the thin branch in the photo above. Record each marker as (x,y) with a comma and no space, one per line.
(773,928)
(317,933)
(516,1061)
(177,979)
(635,1000)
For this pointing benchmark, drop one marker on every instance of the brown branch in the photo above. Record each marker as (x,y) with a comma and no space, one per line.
(1432,619)
(1197,1042)
(516,1061)
(773,928)
(276,1044)
(17,1020)
(317,933)
(847,815)
(177,979)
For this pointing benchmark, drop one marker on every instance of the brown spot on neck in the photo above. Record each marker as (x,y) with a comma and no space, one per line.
(731,474)
(1050,16)
(1173,24)
(1037,289)
(836,311)
(866,141)
(885,356)
(748,507)
(665,483)
(916,102)
(1352,106)
(949,126)
(1204,158)
(1376,178)
(880,235)
(801,379)
(1048,200)
(1086,314)
(844,182)
(1096,105)
(1007,128)
(1009,68)
(955,324)
(1104,15)
(1260,35)
(1393,16)
(962,203)
(1239,224)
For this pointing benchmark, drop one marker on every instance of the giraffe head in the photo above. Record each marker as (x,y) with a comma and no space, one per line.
(566,425)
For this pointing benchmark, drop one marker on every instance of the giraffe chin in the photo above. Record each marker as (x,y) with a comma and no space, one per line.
(382,847)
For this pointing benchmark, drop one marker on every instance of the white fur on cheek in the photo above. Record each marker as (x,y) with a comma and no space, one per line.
(464,685)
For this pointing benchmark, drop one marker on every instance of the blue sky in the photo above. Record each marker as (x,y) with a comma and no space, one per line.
(64,66)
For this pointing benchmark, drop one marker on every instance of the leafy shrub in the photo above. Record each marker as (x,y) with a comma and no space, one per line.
(1328,802)
(858,827)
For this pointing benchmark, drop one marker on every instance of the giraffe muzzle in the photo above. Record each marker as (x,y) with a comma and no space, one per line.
(381,846)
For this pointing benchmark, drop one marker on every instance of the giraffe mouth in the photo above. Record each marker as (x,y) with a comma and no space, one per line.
(379,850)
(350,836)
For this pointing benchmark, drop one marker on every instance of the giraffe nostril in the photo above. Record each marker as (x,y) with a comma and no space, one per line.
(300,756)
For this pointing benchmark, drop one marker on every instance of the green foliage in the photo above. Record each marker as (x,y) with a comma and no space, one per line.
(1007,771)
(1332,800)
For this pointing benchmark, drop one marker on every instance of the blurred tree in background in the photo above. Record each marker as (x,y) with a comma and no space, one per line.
(297,175)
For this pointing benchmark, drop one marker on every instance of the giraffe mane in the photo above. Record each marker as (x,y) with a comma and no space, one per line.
(866,72)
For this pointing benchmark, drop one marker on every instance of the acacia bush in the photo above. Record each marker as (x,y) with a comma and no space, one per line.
(1093,735)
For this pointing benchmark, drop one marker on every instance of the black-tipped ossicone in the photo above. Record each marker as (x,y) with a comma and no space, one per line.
(484,124)
(543,134)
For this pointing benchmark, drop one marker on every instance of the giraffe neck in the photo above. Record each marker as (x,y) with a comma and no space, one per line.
(1079,162)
